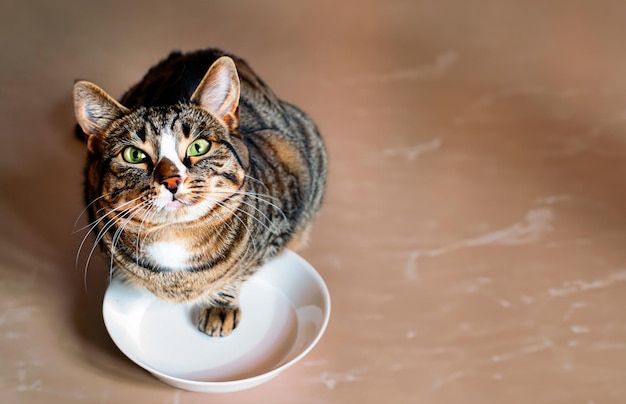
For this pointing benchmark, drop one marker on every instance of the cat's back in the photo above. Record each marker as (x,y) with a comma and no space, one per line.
(174,79)
(171,81)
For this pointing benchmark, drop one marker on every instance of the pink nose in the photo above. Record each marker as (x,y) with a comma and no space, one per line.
(172,182)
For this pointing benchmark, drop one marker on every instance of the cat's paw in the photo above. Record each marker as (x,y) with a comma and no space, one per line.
(218,321)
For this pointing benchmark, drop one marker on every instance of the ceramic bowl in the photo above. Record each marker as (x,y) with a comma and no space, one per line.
(285,309)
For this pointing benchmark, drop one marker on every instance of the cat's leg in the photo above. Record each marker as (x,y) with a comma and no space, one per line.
(219,314)
(218,321)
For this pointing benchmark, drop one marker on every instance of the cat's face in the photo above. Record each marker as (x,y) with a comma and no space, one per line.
(164,164)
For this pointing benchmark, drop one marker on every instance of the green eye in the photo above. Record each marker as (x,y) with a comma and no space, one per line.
(134,156)
(198,148)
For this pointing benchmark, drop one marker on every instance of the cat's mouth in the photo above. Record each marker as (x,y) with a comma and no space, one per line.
(174,205)
(171,203)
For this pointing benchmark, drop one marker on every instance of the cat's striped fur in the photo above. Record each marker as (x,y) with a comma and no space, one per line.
(193,228)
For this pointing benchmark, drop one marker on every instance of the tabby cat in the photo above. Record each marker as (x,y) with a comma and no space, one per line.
(197,177)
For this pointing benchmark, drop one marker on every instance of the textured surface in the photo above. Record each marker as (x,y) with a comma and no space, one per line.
(473,232)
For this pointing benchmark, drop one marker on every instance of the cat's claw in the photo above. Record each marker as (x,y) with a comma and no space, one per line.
(218,321)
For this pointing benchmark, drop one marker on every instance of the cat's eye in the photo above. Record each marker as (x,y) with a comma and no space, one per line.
(198,148)
(134,155)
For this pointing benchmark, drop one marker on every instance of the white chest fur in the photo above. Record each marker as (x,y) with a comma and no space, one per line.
(169,254)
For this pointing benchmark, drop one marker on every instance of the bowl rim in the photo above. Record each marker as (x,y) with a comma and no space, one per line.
(252,380)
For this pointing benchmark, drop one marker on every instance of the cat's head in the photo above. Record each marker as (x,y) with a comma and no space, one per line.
(160,164)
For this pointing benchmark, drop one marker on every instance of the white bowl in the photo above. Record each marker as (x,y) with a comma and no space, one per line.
(285,309)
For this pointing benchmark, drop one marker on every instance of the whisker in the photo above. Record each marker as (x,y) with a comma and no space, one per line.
(246,227)
(118,233)
(102,232)
(258,210)
(92,226)
(74,231)
(118,218)
(253,196)
(150,213)
(221,203)
(99,237)
(230,193)
(132,212)
(251,178)
(258,195)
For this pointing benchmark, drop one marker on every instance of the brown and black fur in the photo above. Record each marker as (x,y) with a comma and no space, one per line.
(266,169)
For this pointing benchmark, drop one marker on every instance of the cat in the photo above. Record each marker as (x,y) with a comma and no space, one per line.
(196,177)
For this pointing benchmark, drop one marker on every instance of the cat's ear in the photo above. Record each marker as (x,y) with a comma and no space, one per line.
(95,110)
(218,92)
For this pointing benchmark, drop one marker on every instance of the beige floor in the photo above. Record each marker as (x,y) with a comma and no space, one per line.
(474,228)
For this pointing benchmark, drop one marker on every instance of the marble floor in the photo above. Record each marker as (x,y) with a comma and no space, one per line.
(474,227)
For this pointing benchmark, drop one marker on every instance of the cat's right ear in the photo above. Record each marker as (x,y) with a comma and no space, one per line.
(95,110)
(218,92)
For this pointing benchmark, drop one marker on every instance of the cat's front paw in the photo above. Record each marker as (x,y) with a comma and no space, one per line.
(218,321)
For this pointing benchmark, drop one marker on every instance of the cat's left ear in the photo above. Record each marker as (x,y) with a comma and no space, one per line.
(218,92)
(95,110)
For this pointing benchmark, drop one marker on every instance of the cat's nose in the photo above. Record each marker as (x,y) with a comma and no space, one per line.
(171,182)
(166,173)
